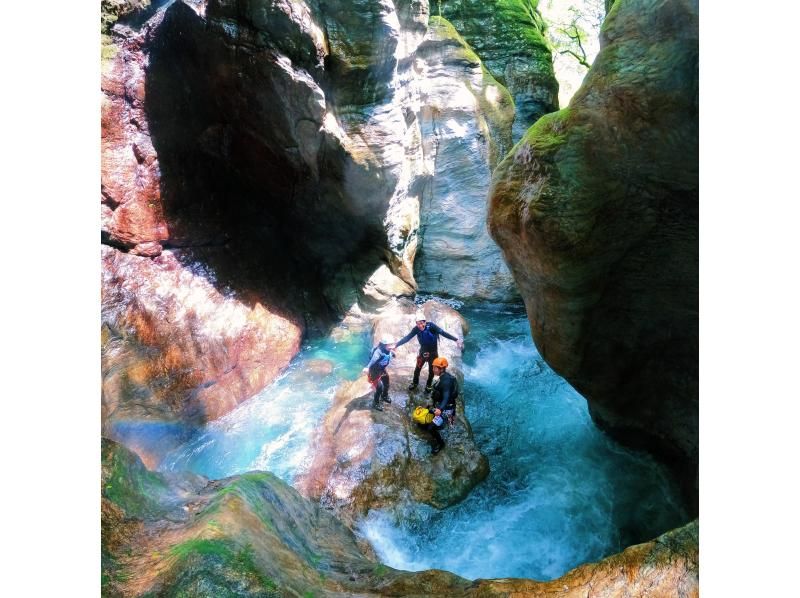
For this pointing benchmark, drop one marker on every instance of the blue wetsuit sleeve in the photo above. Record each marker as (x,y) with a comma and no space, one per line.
(407,337)
(443,332)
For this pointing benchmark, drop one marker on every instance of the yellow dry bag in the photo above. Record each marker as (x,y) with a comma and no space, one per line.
(422,415)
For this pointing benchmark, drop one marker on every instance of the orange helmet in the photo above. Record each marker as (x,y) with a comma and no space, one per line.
(440,362)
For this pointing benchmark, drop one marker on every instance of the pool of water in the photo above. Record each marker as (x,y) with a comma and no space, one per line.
(560,492)
(273,430)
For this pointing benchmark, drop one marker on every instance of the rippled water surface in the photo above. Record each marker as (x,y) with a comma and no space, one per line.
(272,430)
(560,493)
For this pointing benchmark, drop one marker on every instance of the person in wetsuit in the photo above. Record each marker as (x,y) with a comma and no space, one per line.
(377,375)
(445,392)
(427,334)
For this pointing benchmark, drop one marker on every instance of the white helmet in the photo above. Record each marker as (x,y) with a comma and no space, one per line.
(385,340)
(420,317)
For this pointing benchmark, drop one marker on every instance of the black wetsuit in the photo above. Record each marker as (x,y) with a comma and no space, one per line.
(428,339)
(445,392)
(376,373)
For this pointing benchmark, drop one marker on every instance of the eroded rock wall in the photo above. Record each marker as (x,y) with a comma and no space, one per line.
(278,155)
(508,36)
(596,210)
(465,122)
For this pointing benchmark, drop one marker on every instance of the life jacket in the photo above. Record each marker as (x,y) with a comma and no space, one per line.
(384,360)
(422,415)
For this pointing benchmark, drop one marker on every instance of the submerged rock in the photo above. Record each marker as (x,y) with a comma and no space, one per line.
(596,210)
(366,459)
(253,535)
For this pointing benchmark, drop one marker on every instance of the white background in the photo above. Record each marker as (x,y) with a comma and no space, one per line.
(49,299)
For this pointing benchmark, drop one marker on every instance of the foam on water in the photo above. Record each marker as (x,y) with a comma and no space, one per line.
(560,493)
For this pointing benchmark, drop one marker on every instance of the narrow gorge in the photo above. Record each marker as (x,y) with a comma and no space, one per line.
(285,183)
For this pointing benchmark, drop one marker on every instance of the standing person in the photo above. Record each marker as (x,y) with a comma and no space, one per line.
(376,372)
(445,392)
(427,334)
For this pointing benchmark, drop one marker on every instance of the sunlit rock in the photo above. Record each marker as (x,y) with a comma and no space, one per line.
(465,122)
(508,36)
(596,210)
(177,351)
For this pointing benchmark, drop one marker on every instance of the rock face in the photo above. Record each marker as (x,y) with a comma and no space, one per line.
(177,352)
(283,152)
(465,123)
(596,211)
(508,36)
(252,535)
(365,458)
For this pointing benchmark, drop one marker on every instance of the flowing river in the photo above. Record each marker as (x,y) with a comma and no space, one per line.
(560,492)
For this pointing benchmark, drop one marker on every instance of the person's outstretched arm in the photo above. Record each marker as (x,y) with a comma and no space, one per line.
(406,338)
(443,332)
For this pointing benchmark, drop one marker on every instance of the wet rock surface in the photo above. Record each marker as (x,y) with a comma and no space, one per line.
(253,535)
(177,351)
(596,210)
(365,458)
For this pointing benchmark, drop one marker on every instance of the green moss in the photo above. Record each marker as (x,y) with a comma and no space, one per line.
(226,556)
(444,30)
(250,488)
(549,132)
(130,485)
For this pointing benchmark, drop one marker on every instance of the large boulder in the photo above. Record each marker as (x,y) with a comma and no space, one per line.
(369,459)
(253,535)
(596,210)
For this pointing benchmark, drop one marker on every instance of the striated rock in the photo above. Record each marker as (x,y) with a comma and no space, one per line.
(177,351)
(253,535)
(508,36)
(596,210)
(366,459)
(130,177)
(384,286)
(465,123)
(666,567)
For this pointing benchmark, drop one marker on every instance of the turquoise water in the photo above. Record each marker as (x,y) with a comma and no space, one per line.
(273,430)
(560,493)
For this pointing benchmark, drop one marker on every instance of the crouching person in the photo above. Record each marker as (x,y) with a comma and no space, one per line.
(445,392)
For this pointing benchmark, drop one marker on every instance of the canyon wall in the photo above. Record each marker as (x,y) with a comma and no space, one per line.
(266,166)
(596,210)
